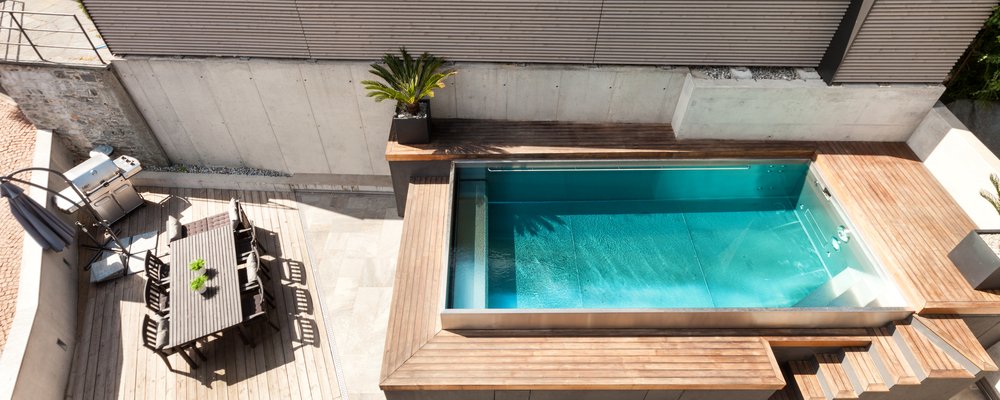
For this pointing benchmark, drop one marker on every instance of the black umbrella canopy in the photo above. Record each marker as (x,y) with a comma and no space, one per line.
(47,229)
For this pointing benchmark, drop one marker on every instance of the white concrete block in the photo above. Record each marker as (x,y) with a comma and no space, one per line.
(532,94)
(585,95)
(481,93)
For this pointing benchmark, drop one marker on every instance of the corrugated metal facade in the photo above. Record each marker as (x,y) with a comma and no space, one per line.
(718,32)
(674,32)
(899,41)
(252,28)
(912,40)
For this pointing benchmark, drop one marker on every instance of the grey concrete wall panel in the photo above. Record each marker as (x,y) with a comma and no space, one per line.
(912,41)
(258,28)
(560,31)
(800,110)
(84,106)
(717,32)
(289,116)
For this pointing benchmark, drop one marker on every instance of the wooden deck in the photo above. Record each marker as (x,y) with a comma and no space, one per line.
(456,139)
(111,362)
(908,219)
(899,208)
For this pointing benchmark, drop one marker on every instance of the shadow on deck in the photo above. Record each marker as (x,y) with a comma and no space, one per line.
(110,360)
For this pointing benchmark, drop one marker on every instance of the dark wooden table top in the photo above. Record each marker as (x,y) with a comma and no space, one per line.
(194,315)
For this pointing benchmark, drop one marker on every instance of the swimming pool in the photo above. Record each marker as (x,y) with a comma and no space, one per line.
(692,235)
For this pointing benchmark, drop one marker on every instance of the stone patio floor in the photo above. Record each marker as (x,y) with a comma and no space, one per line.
(17,145)
(353,240)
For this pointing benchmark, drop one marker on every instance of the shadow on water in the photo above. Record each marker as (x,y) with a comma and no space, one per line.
(534,224)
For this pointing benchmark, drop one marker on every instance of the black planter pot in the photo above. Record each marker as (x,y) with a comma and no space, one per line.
(977,261)
(413,130)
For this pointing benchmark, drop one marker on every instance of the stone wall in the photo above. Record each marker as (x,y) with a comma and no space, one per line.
(84,106)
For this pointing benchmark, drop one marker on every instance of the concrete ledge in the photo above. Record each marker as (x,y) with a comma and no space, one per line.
(959,161)
(803,109)
(37,358)
(297,182)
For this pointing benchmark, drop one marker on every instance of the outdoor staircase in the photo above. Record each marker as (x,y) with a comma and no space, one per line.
(849,288)
(906,360)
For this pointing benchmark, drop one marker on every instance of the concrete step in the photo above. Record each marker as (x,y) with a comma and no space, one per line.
(859,363)
(832,289)
(834,378)
(807,381)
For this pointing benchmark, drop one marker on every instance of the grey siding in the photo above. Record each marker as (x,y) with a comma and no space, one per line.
(689,32)
(718,32)
(253,28)
(560,31)
(912,41)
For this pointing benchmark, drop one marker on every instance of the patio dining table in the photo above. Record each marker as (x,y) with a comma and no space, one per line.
(194,315)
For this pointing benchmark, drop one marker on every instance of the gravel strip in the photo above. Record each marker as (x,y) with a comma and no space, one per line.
(202,169)
(781,73)
(715,72)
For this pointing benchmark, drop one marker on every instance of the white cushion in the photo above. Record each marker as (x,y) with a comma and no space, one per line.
(173,228)
(252,268)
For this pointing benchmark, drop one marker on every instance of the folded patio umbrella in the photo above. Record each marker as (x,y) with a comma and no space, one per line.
(47,229)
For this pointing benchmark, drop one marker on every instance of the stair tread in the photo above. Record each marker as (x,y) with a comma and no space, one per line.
(864,368)
(835,376)
(934,362)
(806,380)
(893,359)
(954,331)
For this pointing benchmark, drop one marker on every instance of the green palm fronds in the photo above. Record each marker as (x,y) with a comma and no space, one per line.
(407,80)
(991,197)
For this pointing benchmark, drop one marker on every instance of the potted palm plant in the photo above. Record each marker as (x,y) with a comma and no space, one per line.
(977,256)
(409,81)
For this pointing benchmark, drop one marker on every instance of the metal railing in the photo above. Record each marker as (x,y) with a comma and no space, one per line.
(12,25)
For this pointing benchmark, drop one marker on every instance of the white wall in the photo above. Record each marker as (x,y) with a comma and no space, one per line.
(33,365)
(959,161)
(800,110)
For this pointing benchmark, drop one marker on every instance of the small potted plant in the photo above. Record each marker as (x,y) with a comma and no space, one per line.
(197,266)
(409,81)
(198,284)
(977,256)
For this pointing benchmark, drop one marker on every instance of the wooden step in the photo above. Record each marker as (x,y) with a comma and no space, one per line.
(835,378)
(890,361)
(928,360)
(806,380)
(860,364)
(790,392)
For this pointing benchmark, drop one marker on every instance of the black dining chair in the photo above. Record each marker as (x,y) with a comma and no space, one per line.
(255,304)
(156,335)
(157,270)
(156,298)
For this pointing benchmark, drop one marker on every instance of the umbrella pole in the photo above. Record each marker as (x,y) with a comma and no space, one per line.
(123,252)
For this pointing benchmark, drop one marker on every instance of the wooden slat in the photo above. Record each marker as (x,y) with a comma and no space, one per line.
(455,139)
(933,361)
(864,368)
(892,358)
(836,377)
(953,330)
(806,380)
(110,361)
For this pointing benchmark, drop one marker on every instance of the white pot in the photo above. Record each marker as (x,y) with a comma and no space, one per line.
(202,289)
(199,272)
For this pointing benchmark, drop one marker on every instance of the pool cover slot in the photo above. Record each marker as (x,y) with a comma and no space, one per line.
(624,168)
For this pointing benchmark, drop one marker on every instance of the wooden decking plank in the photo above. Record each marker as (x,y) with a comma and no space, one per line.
(932,360)
(953,330)
(864,367)
(836,377)
(806,380)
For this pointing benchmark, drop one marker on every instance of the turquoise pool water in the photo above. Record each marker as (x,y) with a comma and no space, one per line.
(677,236)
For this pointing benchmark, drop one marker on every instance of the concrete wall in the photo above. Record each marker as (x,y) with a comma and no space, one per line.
(315,117)
(36,361)
(85,106)
(800,110)
(959,161)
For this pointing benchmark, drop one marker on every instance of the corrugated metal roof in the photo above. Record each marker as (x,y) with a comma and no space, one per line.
(912,40)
